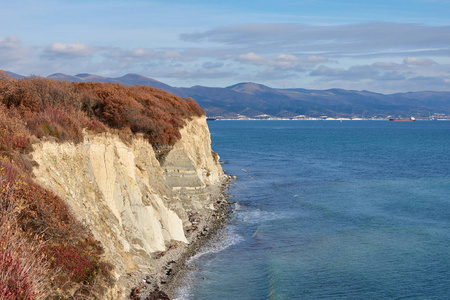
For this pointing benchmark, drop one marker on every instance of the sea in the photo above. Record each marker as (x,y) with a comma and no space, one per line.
(330,210)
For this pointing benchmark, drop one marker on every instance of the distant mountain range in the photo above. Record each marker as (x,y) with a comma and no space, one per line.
(252,100)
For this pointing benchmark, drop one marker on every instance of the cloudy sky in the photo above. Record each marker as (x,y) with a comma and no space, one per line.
(383,46)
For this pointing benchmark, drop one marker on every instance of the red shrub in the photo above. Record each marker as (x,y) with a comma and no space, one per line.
(8,172)
(79,265)
(16,285)
(22,265)
(81,261)
(13,131)
(96,126)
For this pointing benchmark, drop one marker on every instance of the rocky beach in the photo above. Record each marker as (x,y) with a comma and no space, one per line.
(170,266)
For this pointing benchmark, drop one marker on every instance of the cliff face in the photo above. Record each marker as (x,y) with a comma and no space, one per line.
(133,204)
(191,166)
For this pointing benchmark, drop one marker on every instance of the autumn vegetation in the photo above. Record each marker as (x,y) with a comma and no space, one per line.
(45,252)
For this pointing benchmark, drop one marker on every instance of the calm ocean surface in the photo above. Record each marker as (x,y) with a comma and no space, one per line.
(330,210)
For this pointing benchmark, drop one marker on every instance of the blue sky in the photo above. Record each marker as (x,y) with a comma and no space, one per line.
(383,46)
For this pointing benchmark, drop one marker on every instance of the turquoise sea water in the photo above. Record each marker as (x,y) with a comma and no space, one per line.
(330,210)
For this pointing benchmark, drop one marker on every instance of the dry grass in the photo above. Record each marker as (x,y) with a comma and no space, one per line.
(24,268)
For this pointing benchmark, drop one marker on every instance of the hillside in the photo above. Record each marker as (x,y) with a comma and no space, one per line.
(250,99)
(128,80)
(315,103)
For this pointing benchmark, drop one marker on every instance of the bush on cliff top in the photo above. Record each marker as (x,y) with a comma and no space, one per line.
(63,109)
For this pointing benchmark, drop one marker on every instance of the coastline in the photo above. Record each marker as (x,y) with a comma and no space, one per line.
(318,119)
(169,267)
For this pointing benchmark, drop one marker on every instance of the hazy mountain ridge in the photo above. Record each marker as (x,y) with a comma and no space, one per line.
(252,100)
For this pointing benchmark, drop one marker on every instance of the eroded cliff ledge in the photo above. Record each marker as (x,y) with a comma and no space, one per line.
(133,204)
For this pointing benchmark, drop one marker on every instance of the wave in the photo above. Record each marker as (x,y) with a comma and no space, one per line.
(248,215)
(222,240)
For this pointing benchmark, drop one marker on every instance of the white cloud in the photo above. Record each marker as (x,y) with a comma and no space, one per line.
(385,77)
(12,51)
(212,65)
(77,49)
(145,54)
(175,55)
(388,65)
(271,73)
(374,54)
(253,58)
(11,42)
(142,52)
(326,71)
(286,58)
(191,73)
(357,73)
(423,62)
(281,60)
(330,40)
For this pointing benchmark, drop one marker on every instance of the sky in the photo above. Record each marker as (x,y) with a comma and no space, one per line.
(377,45)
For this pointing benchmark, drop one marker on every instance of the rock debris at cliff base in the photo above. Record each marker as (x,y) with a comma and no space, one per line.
(170,266)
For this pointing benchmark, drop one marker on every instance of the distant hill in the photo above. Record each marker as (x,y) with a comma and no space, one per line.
(14,75)
(254,100)
(246,98)
(64,77)
(128,80)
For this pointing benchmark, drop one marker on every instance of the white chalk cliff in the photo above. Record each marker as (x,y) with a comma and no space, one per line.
(133,204)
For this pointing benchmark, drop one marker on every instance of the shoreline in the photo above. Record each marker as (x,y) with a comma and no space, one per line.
(317,119)
(169,267)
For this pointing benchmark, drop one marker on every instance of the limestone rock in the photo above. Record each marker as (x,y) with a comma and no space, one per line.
(132,204)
